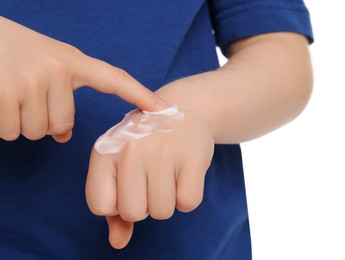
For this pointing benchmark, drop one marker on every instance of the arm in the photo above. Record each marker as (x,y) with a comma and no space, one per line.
(266,83)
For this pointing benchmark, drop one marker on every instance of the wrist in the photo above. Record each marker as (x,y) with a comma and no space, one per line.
(185,95)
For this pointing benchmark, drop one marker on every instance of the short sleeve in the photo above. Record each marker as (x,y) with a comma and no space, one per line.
(236,19)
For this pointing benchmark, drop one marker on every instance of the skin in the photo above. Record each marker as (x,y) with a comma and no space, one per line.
(266,83)
(38,76)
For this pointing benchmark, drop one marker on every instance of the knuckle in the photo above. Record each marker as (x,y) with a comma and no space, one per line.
(8,132)
(70,49)
(11,136)
(57,66)
(61,128)
(133,215)
(101,209)
(118,74)
(35,134)
(34,129)
(161,214)
(32,83)
(187,204)
(99,204)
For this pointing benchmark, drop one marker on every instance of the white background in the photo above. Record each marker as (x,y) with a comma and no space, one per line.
(295,176)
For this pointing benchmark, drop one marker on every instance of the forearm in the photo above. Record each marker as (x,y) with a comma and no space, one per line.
(266,83)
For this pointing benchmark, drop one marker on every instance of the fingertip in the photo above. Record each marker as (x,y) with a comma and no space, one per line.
(149,101)
(160,103)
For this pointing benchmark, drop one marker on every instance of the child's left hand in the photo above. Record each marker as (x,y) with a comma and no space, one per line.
(266,83)
(151,176)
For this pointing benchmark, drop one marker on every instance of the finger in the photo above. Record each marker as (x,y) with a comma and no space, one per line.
(108,79)
(61,111)
(34,114)
(120,231)
(132,190)
(100,190)
(190,185)
(9,118)
(161,193)
(63,138)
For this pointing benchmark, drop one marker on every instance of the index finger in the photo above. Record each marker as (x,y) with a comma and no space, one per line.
(106,78)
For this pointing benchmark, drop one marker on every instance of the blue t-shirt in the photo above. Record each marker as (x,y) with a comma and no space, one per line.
(43,212)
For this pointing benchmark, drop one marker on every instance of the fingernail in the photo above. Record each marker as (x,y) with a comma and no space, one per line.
(161,104)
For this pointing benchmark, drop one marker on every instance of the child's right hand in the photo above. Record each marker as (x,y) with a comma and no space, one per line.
(37,77)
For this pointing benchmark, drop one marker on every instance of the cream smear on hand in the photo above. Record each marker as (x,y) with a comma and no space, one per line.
(136,125)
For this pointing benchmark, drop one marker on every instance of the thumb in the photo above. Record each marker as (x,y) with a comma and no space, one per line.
(106,78)
(120,231)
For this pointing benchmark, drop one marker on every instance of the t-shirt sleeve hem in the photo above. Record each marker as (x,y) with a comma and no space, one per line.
(262,19)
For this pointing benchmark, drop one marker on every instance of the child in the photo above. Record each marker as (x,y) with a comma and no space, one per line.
(167,46)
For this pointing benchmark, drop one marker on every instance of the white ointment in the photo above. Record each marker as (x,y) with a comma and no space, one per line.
(136,124)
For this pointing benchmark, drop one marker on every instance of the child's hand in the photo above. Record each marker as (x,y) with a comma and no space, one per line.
(152,175)
(264,85)
(37,77)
